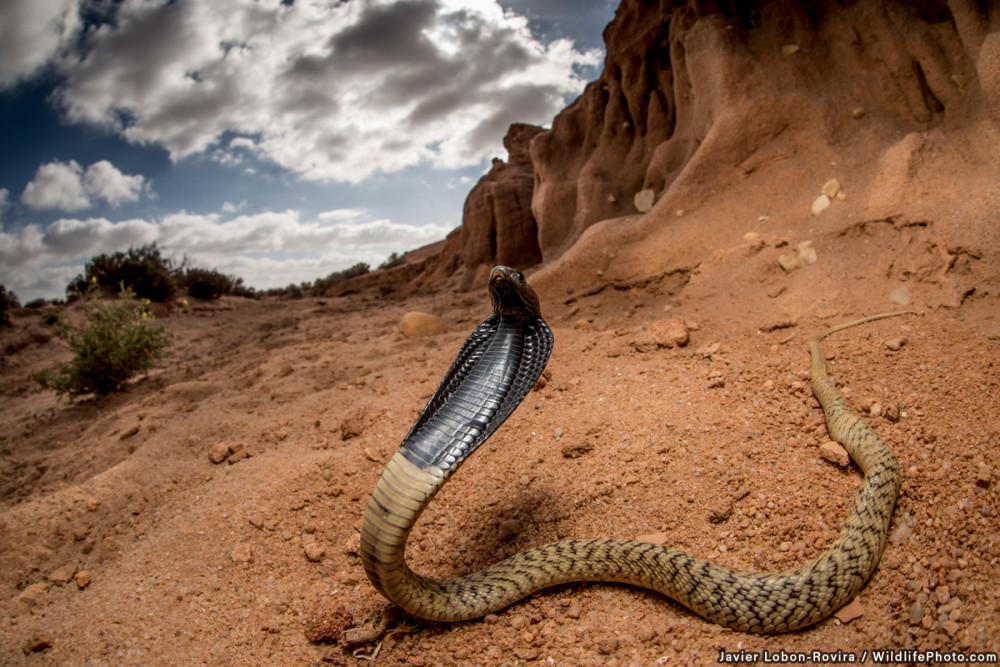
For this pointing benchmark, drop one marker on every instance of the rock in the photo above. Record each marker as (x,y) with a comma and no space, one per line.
(790,49)
(241,553)
(670,332)
(858,113)
(835,453)
(32,596)
(498,226)
(37,642)
(788,261)
(820,204)
(526,653)
(353,425)
(850,611)
(129,432)
(82,579)
(218,453)
(511,527)
(831,188)
(902,533)
(916,613)
(314,552)
(895,344)
(901,296)
(574,450)
(62,575)
(416,324)
(237,452)
(644,200)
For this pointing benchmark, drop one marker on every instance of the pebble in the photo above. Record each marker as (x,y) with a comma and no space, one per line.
(901,296)
(218,453)
(241,553)
(669,332)
(526,653)
(850,611)
(82,579)
(62,575)
(858,113)
(37,642)
(644,200)
(511,527)
(831,188)
(416,324)
(820,204)
(895,344)
(573,610)
(916,613)
(902,533)
(129,432)
(32,596)
(790,49)
(834,452)
(314,552)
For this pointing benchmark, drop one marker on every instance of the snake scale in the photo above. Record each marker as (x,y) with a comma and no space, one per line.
(495,368)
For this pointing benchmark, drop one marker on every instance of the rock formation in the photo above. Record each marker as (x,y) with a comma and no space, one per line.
(497,223)
(694,96)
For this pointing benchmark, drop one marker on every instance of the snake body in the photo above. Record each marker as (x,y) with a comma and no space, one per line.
(495,368)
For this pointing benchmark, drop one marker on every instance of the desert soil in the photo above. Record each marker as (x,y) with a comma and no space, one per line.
(122,543)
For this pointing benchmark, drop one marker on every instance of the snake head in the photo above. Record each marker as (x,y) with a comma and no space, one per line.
(511,294)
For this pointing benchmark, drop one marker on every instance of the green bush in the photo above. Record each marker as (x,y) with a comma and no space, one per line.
(143,270)
(118,341)
(206,284)
(8,302)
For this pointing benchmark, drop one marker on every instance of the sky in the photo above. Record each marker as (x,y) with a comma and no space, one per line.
(274,140)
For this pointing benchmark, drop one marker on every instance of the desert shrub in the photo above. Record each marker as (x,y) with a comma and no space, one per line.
(394,259)
(323,284)
(210,284)
(118,341)
(8,302)
(143,270)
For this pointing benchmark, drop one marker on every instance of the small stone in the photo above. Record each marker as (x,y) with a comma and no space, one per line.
(858,113)
(644,200)
(720,512)
(902,533)
(820,204)
(789,261)
(416,324)
(256,520)
(218,453)
(951,627)
(238,452)
(491,619)
(834,452)
(511,527)
(352,426)
(942,594)
(82,579)
(790,49)
(526,653)
(876,409)
(129,432)
(32,596)
(645,633)
(518,622)
(669,332)
(314,552)
(901,296)
(92,504)
(831,188)
(62,575)
(895,344)
(37,642)
(241,553)
(807,253)
(607,645)
(850,611)
(916,613)
(573,610)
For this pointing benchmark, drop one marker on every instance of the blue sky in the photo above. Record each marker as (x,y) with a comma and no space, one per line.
(271,139)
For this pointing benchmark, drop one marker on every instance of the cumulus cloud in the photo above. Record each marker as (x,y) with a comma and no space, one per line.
(332,91)
(269,249)
(4,201)
(31,33)
(66,186)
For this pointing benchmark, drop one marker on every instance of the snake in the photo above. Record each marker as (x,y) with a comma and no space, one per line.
(495,368)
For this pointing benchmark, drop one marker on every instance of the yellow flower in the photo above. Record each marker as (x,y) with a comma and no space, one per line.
(93,279)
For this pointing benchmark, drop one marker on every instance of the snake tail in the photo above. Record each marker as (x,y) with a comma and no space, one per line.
(496,367)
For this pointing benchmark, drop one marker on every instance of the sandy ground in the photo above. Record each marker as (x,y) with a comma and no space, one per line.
(122,543)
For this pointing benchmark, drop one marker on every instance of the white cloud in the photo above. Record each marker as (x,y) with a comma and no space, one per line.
(332,91)
(105,181)
(66,186)
(57,185)
(4,201)
(270,249)
(31,32)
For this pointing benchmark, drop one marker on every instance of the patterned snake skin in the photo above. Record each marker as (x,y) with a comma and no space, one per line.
(495,369)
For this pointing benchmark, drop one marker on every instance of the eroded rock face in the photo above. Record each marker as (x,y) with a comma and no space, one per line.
(498,226)
(692,99)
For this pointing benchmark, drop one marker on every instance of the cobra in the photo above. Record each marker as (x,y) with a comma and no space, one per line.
(495,368)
